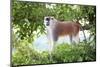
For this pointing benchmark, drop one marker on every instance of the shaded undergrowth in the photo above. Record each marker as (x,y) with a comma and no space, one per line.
(63,53)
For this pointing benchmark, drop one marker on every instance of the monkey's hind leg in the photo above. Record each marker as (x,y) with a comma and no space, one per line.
(71,39)
(76,39)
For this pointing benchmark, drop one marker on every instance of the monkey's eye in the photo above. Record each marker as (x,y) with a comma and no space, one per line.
(52,18)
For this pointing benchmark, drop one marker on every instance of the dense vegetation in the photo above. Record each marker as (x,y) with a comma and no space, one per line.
(27,25)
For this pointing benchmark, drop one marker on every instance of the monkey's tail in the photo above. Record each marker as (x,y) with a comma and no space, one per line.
(82,30)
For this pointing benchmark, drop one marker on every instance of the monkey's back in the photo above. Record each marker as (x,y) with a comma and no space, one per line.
(66,28)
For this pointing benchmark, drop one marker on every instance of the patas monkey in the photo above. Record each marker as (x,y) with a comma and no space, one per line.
(56,28)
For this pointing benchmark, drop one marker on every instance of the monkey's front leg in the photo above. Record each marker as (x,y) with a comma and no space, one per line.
(51,40)
(51,43)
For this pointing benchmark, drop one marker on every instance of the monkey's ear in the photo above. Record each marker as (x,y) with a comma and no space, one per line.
(52,18)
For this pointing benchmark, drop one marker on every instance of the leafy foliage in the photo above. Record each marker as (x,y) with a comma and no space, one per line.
(63,53)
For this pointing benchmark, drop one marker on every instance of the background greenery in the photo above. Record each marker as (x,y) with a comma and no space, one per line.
(27,24)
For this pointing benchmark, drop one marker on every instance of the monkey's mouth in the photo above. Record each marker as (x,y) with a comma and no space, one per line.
(47,24)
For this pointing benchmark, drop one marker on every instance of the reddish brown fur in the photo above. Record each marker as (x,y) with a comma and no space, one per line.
(68,28)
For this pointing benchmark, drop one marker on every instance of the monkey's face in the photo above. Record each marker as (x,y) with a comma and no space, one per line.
(48,21)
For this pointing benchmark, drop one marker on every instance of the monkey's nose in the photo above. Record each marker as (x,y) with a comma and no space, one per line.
(47,19)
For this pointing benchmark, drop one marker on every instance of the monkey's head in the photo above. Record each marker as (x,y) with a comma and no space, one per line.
(49,21)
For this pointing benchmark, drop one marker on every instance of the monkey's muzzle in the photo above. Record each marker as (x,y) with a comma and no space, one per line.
(47,21)
(47,24)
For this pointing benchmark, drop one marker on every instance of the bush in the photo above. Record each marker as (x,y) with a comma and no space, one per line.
(63,53)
